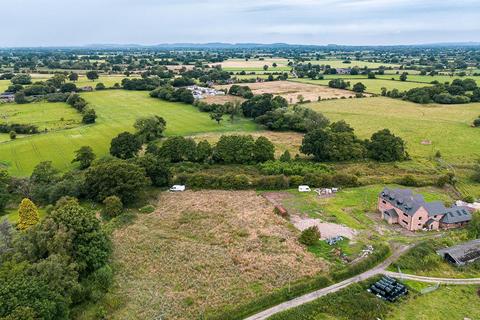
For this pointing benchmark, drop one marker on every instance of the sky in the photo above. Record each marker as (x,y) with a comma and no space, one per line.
(149,22)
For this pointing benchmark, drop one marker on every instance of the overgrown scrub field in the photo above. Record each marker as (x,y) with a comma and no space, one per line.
(292,90)
(372,85)
(202,252)
(444,128)
(117,110)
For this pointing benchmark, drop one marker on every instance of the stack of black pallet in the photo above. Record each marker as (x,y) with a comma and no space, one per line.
(388,289)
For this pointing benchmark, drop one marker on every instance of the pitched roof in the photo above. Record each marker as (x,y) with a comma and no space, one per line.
(403,199)
(456,215)
(392,213)
(464,252)
(434,208)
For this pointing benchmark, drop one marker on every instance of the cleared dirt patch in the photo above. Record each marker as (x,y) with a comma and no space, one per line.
(327,230)
(291,90)
(222,99)
(204,250)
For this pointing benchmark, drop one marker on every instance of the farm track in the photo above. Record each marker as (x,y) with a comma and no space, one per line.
(309,297)
(378,270)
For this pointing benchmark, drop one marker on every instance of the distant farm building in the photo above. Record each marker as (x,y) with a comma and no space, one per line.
(202,92)
(86,88)
(7,97)
(461,254)
(412,212)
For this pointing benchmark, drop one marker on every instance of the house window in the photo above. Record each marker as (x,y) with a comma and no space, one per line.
(404,221)
(419,224)
(419,218)
(384,202)
(405,215)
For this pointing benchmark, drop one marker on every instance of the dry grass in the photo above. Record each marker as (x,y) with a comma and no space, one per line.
(202,251)
(222,99)
(292,90)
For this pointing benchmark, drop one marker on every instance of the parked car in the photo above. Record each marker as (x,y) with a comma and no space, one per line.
(304,189)
(177,188)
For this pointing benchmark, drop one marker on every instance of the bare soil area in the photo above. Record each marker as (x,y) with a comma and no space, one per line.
(292,90)
(222,99)
(204,250)
(327,230)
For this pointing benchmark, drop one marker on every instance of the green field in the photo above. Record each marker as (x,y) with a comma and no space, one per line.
(46,116)
(373,85)
(117,111)
(354,63)
(451,302)
(428,79)
(447,127)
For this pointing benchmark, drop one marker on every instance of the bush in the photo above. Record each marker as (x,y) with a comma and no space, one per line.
(13,135)
(147,209)
(309,236)
(113,206)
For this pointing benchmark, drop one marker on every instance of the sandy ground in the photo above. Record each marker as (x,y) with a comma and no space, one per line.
(292,90)
(327,230)
(222,99)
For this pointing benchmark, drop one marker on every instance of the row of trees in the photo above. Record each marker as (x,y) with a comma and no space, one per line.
(338,142)
(81,105)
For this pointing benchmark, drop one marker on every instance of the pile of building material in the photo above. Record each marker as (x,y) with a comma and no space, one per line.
(388,289)
(333,240)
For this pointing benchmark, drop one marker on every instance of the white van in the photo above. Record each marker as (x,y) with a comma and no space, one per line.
(177,188)
(304,189)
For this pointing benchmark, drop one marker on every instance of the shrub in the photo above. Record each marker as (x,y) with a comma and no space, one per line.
(476,122)
(309,236)
(13,135)
(147,209)
(113,206)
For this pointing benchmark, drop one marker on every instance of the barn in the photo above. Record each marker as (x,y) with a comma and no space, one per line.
(461,254)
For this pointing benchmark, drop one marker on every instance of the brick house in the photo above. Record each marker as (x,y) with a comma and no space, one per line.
(412,212)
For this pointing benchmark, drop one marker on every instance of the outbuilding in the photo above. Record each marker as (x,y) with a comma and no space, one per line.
(461,254)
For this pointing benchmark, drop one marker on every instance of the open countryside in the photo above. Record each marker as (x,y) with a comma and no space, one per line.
(240,161)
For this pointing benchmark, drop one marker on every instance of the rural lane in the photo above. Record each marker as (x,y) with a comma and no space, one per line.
(379,269)
(404,276)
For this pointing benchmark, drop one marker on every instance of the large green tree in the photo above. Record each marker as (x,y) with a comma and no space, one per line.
(150,128)
(84,156)
(386,147)
(125,145)
(115,177)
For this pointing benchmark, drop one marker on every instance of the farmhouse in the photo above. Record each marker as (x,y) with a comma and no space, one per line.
(462,253)
(201,92)
(412,212)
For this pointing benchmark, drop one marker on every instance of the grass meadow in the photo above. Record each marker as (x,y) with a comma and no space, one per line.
(446,127)
(117,111)
(354,63)
(372,85)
